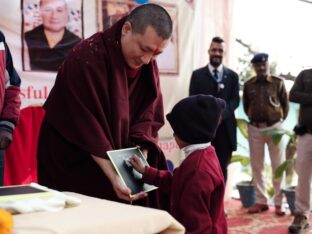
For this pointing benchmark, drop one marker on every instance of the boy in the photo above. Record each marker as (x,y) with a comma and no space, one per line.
(197,186)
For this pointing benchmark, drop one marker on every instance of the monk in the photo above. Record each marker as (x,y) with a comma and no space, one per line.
(106,96)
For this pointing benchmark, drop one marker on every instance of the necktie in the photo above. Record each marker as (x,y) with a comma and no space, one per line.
(215,74)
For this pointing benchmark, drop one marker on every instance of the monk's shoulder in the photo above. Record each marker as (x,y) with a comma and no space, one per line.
(90,50)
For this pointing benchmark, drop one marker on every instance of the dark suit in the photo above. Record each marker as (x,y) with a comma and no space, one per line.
(202,82)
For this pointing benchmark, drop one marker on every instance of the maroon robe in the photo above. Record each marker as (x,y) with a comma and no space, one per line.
(97,105)
(197,191)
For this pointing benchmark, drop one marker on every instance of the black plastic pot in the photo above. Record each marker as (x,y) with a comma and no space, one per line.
(247,193)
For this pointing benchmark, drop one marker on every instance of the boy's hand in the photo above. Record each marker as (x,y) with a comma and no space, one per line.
(137,164)
(144,151)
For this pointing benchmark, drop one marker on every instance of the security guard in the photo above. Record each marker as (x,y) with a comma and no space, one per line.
(266,104)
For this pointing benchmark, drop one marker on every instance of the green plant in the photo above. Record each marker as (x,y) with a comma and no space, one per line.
(244,160)
(277,135)
(242,125)
(283,168)
(288,165)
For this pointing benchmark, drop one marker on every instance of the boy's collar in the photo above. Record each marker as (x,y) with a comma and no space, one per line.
(191,148)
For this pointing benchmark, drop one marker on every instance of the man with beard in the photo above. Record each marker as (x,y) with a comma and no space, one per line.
(219,81)
(266,105)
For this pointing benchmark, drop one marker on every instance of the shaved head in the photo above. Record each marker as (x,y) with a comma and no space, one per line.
(151,15)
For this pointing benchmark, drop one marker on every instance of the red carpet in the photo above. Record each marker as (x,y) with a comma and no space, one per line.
(239,222)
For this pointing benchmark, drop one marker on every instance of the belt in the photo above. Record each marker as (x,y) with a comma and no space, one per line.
(263,124)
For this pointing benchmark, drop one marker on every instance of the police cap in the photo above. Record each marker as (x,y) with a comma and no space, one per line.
(260,58)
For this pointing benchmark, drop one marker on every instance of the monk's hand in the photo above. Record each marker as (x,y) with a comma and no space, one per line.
(139,196)
(121,190)
(137,164)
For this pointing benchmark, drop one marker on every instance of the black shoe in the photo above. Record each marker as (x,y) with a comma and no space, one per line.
(299,224)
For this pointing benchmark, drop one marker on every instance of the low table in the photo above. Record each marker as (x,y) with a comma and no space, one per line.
(95,215)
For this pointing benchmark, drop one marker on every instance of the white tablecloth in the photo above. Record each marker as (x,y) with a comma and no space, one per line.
(98,216)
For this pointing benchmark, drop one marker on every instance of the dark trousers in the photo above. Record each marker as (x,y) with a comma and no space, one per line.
(1,167)
(223,148)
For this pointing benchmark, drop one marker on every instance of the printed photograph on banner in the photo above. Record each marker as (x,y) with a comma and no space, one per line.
(111,11)
(50,29)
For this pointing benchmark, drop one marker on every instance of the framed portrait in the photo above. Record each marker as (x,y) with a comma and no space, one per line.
(50,29)
(110,11)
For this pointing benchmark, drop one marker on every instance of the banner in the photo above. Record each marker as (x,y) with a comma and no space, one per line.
(41,32)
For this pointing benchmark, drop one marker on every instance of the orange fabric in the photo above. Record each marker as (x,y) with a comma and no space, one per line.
(21,156)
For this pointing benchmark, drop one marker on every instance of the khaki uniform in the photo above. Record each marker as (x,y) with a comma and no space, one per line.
(266,104)
(265,101)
